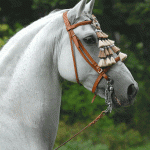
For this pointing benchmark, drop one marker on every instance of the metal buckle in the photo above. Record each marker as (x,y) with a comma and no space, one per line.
(73,35)
(100,71)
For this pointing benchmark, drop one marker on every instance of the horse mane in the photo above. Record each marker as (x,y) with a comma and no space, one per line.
(52,12)
(15,48)
(55,10)
(23,38)
(40,22)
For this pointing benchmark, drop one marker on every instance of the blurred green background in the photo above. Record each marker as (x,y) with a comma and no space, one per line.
(128,23)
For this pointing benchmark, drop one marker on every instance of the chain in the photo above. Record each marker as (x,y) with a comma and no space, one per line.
(108,95)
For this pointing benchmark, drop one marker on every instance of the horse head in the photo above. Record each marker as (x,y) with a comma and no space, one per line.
(125,87)
(34,59)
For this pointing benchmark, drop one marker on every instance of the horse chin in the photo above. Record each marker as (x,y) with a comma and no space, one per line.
(117,103)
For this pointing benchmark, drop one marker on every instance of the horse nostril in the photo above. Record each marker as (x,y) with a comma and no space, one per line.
(132,91)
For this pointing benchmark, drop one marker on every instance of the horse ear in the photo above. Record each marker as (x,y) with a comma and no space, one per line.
(77,10)
(89,7)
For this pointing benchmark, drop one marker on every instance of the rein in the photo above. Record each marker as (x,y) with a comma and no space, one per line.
(102,72)
(93,122)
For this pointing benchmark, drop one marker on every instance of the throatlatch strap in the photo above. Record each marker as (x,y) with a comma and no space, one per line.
(74,61)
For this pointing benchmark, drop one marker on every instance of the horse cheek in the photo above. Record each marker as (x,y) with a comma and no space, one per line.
(65,66)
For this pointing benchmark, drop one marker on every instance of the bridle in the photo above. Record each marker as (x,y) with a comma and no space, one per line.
(84,53)
(102,72)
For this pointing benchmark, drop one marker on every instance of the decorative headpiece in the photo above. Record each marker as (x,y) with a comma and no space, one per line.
(106,46)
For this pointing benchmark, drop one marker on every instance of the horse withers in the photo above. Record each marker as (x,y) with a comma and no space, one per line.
(32,64)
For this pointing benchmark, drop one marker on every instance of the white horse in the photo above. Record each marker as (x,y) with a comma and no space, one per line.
(32,64)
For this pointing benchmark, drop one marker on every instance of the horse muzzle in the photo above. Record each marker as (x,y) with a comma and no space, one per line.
(124,102)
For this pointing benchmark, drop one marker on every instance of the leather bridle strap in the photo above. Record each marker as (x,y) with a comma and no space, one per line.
(83,51)
(78,43)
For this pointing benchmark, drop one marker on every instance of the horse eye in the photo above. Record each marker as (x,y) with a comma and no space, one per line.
(90,40)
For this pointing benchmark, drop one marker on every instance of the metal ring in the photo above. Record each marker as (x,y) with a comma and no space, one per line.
(100,71)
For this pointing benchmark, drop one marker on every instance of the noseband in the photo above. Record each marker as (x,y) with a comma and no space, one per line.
(89,60)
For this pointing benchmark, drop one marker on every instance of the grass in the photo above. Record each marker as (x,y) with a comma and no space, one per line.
(89,146)
(86,146)
(101,137)
(142,147)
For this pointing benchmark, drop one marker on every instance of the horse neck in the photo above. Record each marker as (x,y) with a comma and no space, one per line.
(15,48)
(34,94)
